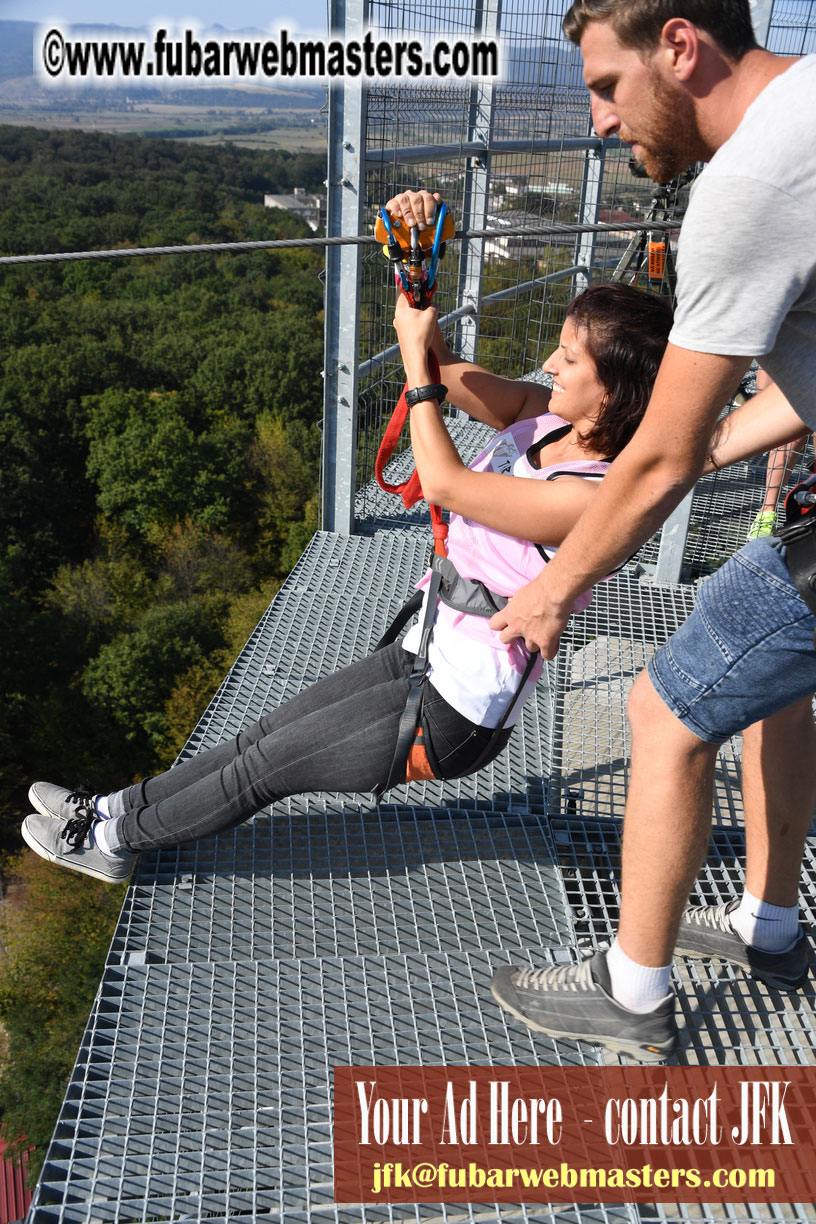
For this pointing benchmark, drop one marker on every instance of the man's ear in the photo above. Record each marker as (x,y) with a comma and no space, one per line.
(680,47)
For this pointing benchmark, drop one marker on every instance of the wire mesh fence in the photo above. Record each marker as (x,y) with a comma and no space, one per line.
(537,167)
(540,165)
(793,27)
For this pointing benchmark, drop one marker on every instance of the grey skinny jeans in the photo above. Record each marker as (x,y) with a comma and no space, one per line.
(337,735)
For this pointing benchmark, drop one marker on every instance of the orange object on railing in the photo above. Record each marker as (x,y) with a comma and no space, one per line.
(657,261)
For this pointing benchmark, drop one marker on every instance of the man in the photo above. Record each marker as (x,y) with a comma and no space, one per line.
(682,81)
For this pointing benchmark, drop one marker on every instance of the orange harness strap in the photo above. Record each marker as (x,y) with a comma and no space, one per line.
(418,767)
(409,490)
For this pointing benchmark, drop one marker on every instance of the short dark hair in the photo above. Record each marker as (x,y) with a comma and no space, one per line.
(625,331)
(638,23)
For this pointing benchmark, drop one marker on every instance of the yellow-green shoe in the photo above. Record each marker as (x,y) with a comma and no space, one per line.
(763,525)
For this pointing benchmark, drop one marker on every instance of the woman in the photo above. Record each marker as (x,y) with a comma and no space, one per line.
(510,511)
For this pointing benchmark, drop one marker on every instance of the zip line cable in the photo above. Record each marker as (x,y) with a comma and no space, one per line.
(539,231)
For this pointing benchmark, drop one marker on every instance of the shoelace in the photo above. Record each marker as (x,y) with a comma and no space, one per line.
(558,977)
(78,827)
(712,916)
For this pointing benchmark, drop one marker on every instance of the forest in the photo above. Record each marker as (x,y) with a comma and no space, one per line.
(159,450)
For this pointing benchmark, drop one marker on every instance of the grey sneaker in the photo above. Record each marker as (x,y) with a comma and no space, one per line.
(70,843)
(575,1002)
(58,801)
(706,932)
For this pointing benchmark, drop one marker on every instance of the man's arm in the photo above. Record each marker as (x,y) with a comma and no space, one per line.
(644,484)
(760,424)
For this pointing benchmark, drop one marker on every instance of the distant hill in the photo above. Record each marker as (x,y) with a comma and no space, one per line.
(16,59)
(550,68)
(19,85)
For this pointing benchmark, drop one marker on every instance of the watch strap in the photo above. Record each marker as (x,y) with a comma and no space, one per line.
(433,391)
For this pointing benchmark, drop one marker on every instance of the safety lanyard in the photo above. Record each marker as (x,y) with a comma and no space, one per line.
(415,264)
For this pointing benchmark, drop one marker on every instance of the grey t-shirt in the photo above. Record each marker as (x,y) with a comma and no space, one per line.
(747,255)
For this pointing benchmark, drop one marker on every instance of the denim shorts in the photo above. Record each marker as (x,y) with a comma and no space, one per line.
(745,652)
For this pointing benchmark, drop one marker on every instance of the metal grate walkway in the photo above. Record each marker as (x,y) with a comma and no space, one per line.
(331,932)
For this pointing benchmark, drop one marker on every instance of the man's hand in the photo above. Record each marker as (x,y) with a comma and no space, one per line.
(531,615)
(415,207)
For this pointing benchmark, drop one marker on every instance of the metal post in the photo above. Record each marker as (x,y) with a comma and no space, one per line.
(673,542)
(588,215)
(345,188)
(761,13)
(476,188)
(559,677)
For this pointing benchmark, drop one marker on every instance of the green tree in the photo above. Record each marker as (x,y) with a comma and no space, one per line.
(148,507)
(283,461)
(131,678)
(152,469)
(195,688)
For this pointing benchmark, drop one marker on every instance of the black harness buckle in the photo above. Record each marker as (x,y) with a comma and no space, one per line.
(799,537)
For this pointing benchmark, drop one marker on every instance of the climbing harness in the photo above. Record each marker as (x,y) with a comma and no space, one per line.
(413,755)
(799,537)
(415,260)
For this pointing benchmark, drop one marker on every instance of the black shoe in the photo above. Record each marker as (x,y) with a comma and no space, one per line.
(706,932)
(575,1003)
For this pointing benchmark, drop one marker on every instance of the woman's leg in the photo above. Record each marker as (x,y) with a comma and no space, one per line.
(356,678)
(337,735)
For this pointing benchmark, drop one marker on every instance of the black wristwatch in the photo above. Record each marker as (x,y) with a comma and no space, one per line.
(434,391)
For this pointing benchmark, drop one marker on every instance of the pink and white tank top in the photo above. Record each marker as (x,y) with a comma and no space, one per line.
(470,666)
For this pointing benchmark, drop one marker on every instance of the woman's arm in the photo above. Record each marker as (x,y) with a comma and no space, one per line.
(543,512)
(496,401)
(488,397)
(761,423)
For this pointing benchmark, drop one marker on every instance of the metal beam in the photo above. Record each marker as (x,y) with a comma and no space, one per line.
(673,542)
(411,154)
(486,21)
(588,214)
(346,162)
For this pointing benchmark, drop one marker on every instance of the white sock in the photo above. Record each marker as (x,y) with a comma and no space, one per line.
(770,928)
(101,807)
(100,835)
(639,988)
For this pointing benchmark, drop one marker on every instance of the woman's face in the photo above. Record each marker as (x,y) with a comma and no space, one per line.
(577,393)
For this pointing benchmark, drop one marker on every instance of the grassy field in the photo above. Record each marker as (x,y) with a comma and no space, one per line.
(295,130)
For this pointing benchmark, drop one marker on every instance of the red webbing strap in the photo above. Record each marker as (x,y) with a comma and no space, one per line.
(409,490)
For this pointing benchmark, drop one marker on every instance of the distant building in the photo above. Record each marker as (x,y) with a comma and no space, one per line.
(311,207)
(613,216)
(521,245)
(15,1195)
(559,189)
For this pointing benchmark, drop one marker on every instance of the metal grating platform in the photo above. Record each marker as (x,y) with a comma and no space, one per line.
(245,967)
(203,1091)
(385,883)
(729,1018)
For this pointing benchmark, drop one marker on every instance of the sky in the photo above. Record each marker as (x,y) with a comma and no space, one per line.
(231,14)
